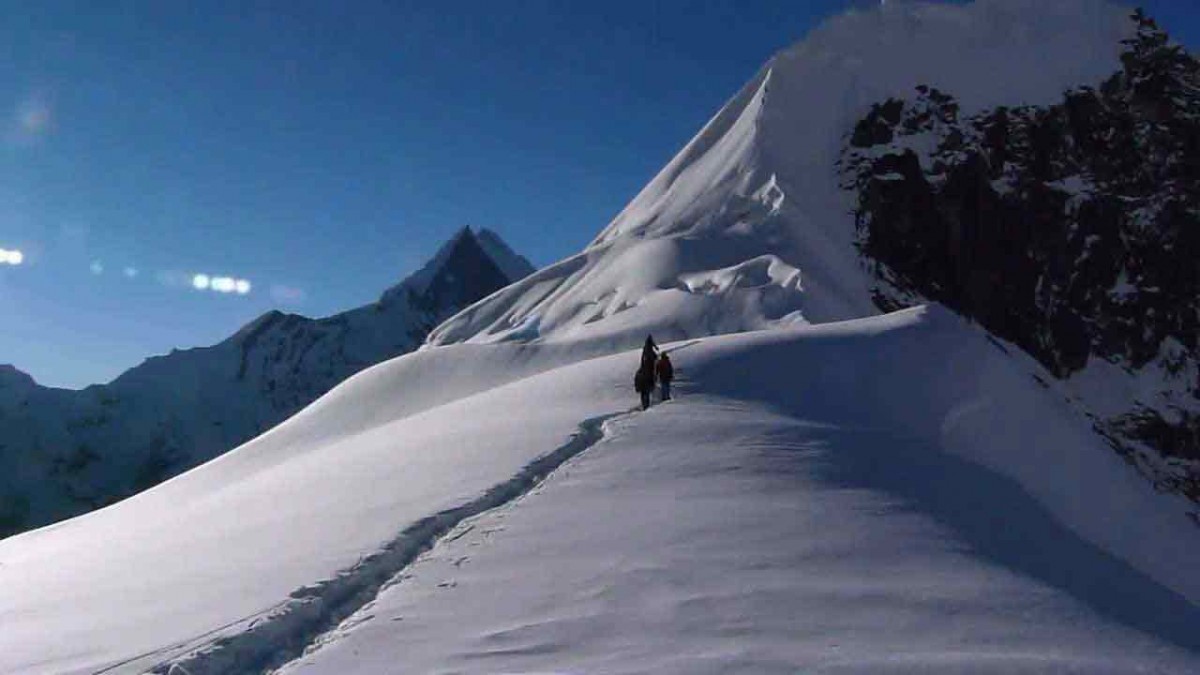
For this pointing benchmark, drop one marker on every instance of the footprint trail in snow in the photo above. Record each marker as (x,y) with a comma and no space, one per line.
(290,630)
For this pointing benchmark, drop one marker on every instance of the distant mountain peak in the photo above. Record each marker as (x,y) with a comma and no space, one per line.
(419,280)
(484,257)
(514,265)
(177,410)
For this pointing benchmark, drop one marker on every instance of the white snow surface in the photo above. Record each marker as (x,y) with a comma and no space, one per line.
(759,179)
(726,534)
(796,507)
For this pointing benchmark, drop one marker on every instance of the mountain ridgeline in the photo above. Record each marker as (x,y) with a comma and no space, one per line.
(63,453)
(1071,230)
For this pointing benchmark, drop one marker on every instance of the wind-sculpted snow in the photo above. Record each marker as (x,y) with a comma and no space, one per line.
(572,303)
(760,178)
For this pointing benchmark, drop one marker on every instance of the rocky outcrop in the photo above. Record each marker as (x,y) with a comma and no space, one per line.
(1071,230)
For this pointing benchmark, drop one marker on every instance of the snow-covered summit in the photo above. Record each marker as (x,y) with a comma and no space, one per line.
(66,452)
(756,224)
(481,253)
(759,179)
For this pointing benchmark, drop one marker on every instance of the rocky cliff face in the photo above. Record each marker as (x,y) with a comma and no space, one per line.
(63,452)
(1070,230)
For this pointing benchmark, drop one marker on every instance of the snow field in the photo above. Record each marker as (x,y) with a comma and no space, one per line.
(227,544)
(777,517)
(256,554)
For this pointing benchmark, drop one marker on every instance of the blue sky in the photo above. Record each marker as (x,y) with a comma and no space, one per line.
(322,151)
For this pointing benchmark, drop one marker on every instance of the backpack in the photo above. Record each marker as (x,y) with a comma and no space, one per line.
(643,380)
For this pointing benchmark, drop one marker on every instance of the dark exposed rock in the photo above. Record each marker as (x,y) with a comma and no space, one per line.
(1072,231)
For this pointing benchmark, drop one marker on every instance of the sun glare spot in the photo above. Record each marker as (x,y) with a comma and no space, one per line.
(222,285)
(13,258)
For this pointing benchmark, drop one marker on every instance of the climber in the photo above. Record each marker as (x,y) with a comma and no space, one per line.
(643,382)
(665,373)
(649,354)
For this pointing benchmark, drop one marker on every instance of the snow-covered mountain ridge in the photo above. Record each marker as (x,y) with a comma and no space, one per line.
(66,452)
(1071,229)
(758,188)
(756,222)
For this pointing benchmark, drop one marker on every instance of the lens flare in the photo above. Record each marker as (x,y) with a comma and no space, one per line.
(224,285)
(30,120)
(33,116)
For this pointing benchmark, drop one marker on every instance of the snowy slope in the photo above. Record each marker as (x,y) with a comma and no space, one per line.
(722,534)
(67,452)
(849,517)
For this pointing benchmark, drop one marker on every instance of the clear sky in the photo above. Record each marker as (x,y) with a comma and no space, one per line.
(321,151)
